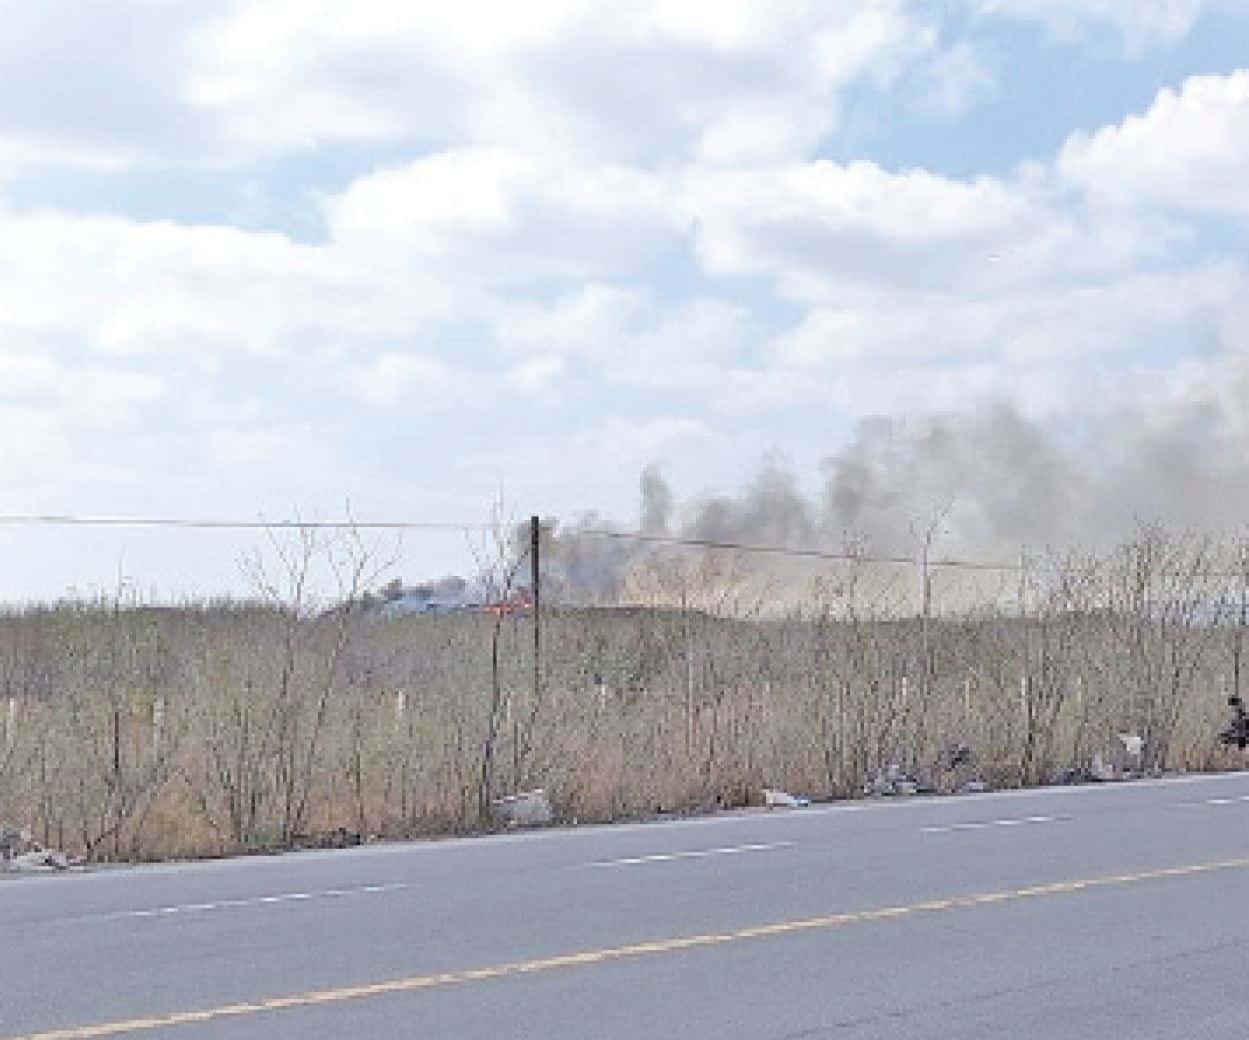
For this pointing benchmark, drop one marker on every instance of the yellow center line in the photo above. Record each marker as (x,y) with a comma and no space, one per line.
(615,953)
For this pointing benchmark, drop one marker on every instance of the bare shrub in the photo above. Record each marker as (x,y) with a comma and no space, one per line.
(139,731)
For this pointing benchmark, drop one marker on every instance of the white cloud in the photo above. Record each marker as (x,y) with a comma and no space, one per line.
(420,383)
(633,258)
(128,288)
(820,227)
(858,198)
(586,321)
(503,216)
(162,81)
(99,84)
(1189,151)
(1029,325)
(84,393)
(953,81)
(23,374)
(552,259)
(537,376)
(1051,349)
(107,397)
(48,452)
(630,444)
(1140,22)
(629,337)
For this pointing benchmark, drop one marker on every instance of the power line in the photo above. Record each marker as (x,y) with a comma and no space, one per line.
(781,550)
(65,520)
(188,524)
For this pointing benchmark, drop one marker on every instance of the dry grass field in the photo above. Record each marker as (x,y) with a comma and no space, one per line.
(134,731)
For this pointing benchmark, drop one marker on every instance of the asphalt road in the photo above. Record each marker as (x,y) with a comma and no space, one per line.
(1098,912)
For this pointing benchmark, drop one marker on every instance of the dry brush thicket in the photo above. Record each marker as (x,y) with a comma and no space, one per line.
(143,732)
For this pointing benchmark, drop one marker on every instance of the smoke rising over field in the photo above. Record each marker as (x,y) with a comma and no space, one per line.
(986,483)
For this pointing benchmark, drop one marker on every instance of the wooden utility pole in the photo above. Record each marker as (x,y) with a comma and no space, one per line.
(925,597)
(116,792)
(1022,594)
(535,593)
(1025,710)
(1238,645)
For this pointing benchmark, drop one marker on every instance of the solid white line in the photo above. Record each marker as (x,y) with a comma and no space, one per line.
(256,901)
(587,832)
(669,857)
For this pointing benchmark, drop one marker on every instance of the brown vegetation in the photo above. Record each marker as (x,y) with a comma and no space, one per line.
(142,732)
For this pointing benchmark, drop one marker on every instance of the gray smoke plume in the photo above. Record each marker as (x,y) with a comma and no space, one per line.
(656,502)
(770,510)
(990,481)
(1001,481)
(985,485)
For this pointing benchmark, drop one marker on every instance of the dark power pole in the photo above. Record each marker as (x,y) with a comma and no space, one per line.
(535,593)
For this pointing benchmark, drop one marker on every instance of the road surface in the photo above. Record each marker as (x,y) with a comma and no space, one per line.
(1098,912)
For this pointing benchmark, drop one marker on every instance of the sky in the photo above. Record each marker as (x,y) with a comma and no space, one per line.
(294,258)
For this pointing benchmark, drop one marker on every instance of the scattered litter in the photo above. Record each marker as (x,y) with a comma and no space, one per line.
(775,799)
(526,809)
(953,771)
(13,840)
(892,781)
(21,854)
(954,756)
(1101,770)
(38,861)
(338,838)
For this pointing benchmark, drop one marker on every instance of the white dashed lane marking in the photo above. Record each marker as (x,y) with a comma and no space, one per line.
(583,959)
(254,901)
(983,825)
(669,857)
(1221,801)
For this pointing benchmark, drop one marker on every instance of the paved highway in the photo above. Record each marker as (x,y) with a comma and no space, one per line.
(1112,911)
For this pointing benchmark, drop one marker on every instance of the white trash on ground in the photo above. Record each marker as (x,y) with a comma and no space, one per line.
(38,861)
(13,840)
(21,854)
(526,809)
(776,799)
(1101,770)
(892,780)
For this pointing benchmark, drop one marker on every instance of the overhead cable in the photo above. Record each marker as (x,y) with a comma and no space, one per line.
(64,520)
(781,550)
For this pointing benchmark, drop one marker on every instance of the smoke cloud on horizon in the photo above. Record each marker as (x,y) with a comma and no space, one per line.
(987,483)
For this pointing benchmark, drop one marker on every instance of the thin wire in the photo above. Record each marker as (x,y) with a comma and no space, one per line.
(780,550)
(62,520)
(182,523)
